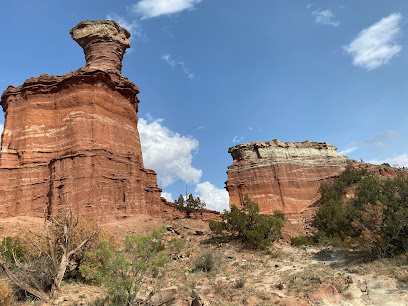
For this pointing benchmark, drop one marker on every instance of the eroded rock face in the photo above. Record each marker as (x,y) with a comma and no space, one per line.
(104,43)
(284,176)
(73,139)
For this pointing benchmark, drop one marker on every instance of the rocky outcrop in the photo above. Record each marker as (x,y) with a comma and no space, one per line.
(104,43)
(73,139)
(282,175)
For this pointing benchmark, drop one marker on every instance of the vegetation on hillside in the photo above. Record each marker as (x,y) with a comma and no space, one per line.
(248,225)
(123,269)
(38,262)
(375,220)
(189,205)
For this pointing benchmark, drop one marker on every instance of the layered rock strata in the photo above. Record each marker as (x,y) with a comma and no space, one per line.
(282,175)
(73,139)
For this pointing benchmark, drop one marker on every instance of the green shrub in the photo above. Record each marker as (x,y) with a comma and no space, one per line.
(375,220)
(247,225)
(122,271)
(299,241)
(177,245)
(190,205)
(333,218)
(216,227)
(382,223)
(205,262)
(12,250)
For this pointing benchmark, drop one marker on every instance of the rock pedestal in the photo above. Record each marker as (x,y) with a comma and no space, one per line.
(73,139)
(104,43)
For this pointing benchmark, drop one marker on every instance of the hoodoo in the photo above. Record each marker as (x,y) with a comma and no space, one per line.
(73,139)
(282,175)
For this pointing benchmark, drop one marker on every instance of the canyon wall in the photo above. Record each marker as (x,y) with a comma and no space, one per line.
(73,139)
(281,175)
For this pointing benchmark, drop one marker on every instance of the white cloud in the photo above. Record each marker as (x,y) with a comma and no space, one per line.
(155,8)
(133,27)
(169,60)
(167,196)
(168,153)
(349,150)
(376,45)
(326,17)
(400,160)
(214,198)
(237,139)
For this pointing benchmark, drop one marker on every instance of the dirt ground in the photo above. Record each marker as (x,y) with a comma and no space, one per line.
(279,275)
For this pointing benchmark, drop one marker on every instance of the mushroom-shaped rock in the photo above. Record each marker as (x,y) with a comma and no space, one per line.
(104,43)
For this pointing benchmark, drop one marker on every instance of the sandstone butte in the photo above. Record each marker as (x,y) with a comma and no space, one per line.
(73,139)
(286,176)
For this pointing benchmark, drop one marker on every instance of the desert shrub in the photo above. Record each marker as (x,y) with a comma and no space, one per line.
(6,295)
(177,245)
(190,205)
(12,250)
(122,270)
(37,245)
(247,225)
(47,255)
(216,227)
(205,262)
(382,224)
(333,218)
(299,241)
(376,220)
(81,229)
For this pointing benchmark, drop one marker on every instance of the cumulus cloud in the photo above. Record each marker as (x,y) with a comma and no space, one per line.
(326,17)
(168,153)
(377,44)
(167,196)
(154,8)
(173,63)
(348,150)
(400,161)
(214,198)
(132,26)
(237,139)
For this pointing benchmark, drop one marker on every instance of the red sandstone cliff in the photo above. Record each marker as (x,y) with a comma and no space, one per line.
(73,139)
(284,176)
(287,176)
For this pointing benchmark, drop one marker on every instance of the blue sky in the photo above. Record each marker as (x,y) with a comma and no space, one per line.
(215,73)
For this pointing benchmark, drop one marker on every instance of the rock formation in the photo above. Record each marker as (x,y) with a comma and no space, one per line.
(287,176)
(73,139)
(284,176)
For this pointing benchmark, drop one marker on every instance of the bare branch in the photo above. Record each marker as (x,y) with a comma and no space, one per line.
(83,243)
(38,293)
